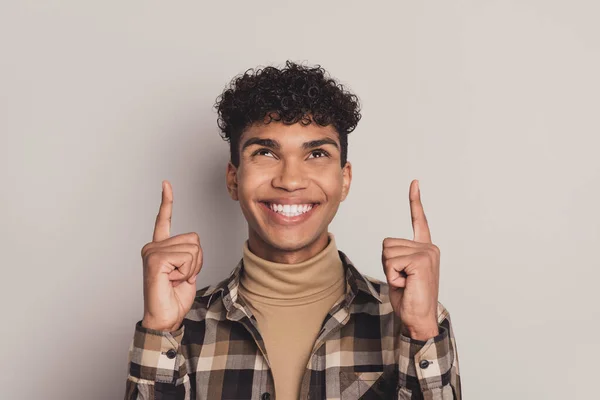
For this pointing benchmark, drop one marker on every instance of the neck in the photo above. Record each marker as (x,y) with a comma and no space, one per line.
(290,255)
(292,284)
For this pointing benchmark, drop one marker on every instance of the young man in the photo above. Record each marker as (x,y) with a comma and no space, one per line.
(295,319)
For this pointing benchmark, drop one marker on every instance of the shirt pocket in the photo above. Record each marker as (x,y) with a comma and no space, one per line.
(362,385)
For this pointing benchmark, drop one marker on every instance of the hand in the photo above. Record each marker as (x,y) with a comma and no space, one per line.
(412,269)
(171,265)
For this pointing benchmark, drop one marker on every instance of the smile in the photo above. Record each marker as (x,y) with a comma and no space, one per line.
(289,213)
(290,210)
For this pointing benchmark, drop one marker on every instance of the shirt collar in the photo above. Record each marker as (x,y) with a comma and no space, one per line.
(355,283)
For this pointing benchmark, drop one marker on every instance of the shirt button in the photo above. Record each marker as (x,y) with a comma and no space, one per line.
(424,364)
(265,396)
(171,354)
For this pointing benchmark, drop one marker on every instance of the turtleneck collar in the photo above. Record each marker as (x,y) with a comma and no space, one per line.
(292,284)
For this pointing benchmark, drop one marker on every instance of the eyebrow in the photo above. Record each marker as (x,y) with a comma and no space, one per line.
(274,144)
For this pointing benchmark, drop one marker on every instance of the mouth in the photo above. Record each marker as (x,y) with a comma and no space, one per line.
(289,213)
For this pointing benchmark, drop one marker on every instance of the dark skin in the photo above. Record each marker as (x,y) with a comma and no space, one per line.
(297,163)
(275,162)
(301,165)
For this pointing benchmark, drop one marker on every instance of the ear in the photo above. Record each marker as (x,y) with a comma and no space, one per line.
(346,179)
(231,181)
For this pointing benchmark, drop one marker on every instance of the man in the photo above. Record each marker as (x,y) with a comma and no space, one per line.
(295,319)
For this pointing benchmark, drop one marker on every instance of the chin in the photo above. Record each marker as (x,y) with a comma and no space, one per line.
(290,241)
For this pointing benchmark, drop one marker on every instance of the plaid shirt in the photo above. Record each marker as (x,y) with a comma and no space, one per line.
(360,353)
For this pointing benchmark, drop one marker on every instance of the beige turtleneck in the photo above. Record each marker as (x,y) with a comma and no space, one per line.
(290,302)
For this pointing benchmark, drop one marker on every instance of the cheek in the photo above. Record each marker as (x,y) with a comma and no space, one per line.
(331,184)
(249,182)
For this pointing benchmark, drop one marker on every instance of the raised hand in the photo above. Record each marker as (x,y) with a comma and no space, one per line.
(412,269)
(171,265)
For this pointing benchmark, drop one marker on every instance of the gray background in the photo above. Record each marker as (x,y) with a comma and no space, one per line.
(493,105)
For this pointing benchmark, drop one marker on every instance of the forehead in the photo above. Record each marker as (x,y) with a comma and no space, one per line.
(292,135)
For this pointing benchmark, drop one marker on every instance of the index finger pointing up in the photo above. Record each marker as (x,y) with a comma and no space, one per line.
(419,221)
(162,228)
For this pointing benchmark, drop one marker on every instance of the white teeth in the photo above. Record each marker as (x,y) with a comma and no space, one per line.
(290,210)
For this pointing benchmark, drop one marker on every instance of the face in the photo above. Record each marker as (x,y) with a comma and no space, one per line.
(289,184)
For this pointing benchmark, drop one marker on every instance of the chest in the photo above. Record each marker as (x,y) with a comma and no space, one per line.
(353,360)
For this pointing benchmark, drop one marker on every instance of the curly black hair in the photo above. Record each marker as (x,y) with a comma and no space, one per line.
(295,93)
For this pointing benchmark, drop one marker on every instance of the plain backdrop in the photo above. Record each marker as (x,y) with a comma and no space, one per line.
(492,105)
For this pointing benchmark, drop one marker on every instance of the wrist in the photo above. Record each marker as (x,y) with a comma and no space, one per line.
(424,331)
(423,334)
(148,323)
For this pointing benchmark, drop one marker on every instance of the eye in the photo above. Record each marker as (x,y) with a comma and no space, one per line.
(261,151)
(322,153)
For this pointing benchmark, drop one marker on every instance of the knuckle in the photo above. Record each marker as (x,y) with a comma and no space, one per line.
(196,237)
(387,241)
(189,266)
(388,265)
(153,259)
(429,258)
(145,249)
(386,253)
(387,271)
(385,264)
(192,237)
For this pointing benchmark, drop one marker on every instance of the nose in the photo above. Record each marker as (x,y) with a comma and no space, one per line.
(290,177)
